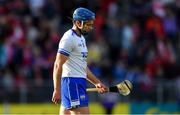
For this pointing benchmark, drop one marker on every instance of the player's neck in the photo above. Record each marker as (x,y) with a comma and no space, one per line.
(76,30)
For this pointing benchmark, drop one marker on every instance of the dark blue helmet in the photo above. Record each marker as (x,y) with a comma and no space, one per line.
(83,14)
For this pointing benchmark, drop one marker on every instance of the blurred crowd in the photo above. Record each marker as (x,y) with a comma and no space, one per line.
(132,39)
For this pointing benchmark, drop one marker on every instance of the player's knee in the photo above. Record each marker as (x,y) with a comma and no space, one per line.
(80,110)
(63,111)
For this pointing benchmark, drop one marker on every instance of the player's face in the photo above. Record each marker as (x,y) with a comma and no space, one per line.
(87,27)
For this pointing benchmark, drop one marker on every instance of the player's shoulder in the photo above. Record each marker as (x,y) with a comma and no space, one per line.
(68,34)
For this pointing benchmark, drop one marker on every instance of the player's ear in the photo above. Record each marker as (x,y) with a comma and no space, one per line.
(78,24)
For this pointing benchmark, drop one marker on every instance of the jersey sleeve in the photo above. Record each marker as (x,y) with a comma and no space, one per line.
(65,46)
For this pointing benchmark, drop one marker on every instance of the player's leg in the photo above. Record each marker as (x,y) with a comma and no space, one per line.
(63,111)
(80,111)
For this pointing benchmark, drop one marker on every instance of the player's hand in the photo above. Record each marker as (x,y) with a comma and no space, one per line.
(101,88)
(56,97)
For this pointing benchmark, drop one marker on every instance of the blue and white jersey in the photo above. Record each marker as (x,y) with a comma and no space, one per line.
(75,48)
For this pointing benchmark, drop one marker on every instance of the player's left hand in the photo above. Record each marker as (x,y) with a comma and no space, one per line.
(101,88)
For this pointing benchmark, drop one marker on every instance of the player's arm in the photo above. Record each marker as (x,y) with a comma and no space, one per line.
(57,72)
(94,80)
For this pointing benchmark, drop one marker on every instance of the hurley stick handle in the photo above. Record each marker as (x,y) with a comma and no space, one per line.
(91,90)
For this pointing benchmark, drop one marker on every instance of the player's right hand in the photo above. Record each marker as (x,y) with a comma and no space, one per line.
(56,97)
(101,88)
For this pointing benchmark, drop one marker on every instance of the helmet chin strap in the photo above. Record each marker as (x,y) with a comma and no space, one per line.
(82,24)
